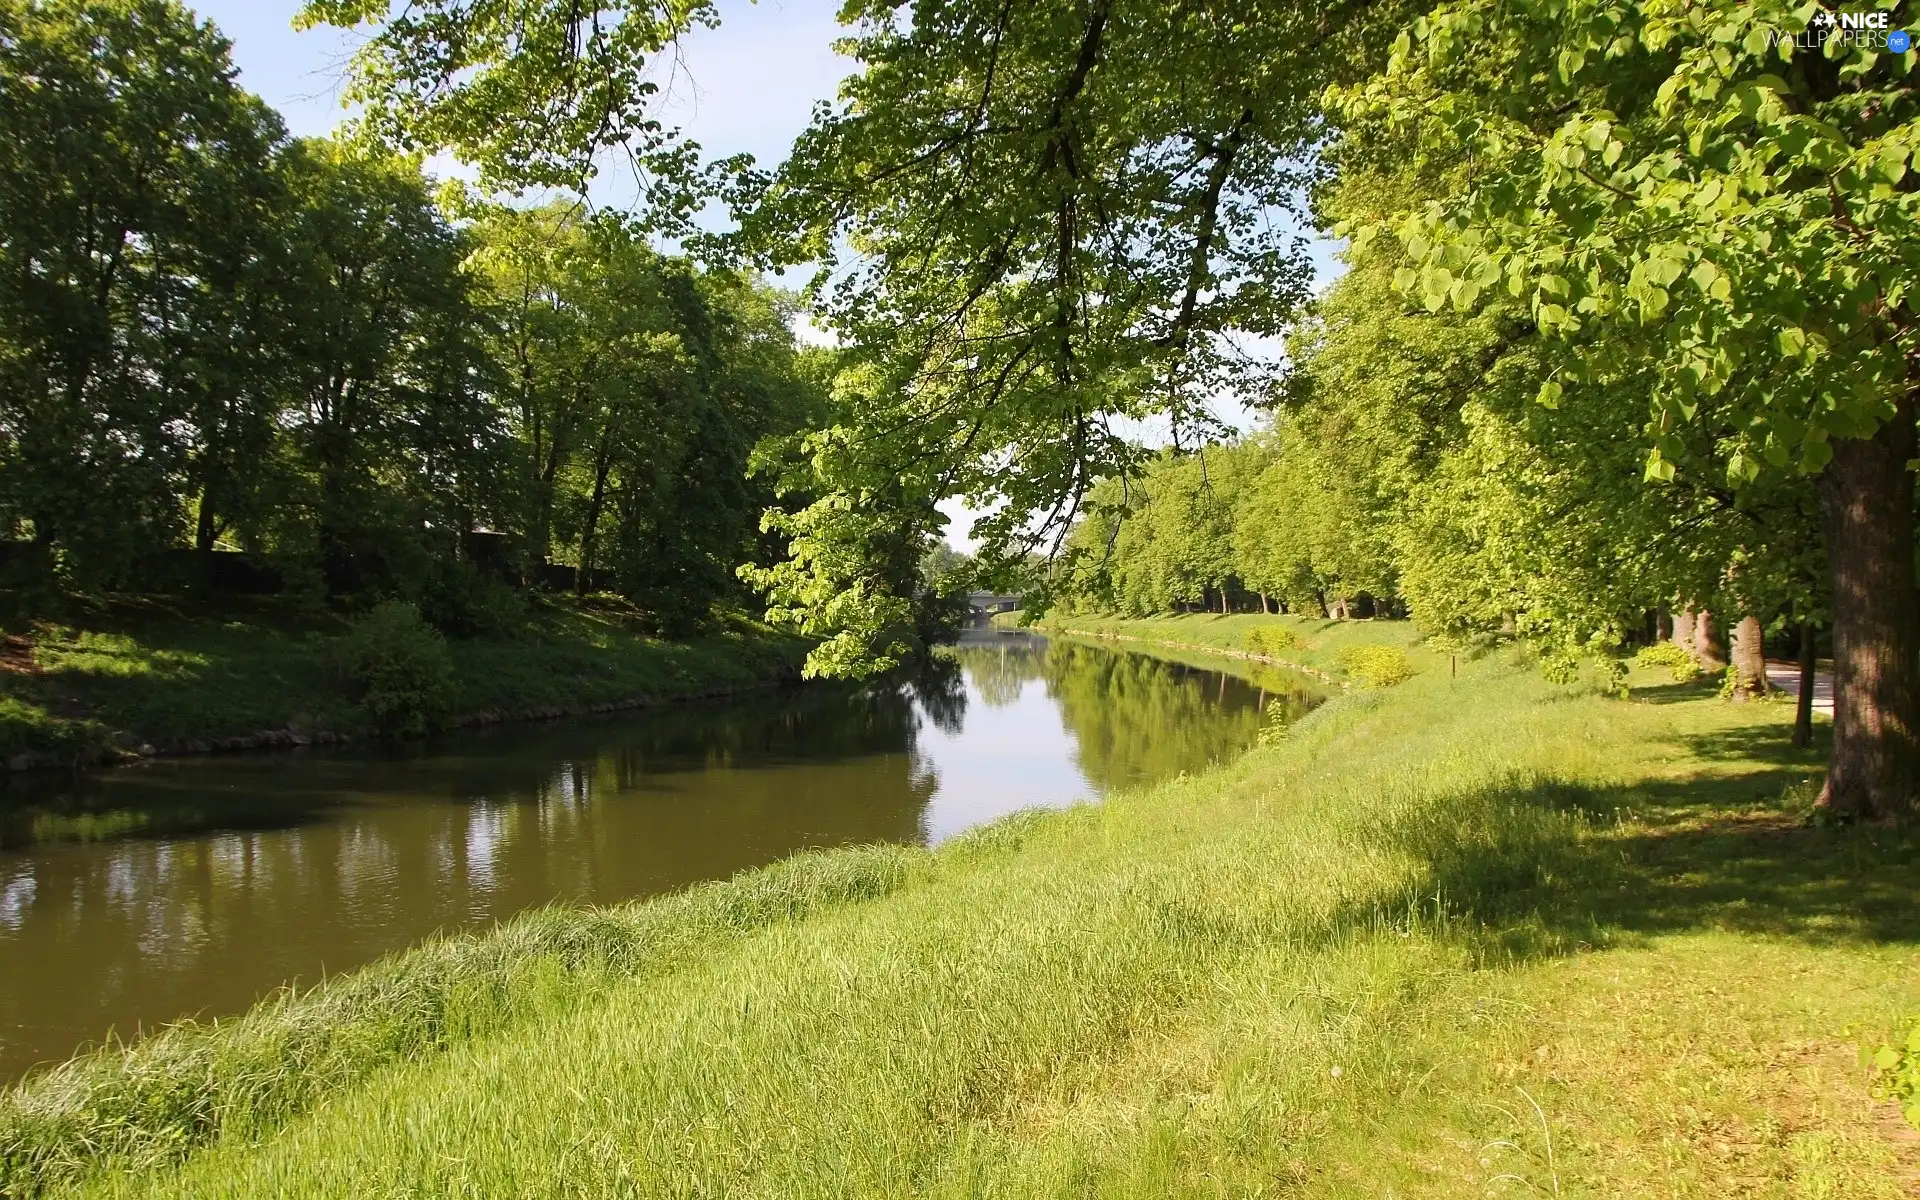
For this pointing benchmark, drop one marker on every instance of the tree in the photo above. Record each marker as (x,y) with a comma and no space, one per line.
(1703,205)
(1147,149)
(132,183)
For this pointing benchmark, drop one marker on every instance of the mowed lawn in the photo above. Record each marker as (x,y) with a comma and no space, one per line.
(1468,936)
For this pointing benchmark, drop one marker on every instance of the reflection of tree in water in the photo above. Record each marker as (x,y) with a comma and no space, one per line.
(940,687)
(1138,719)
(1000,671)
(571,763)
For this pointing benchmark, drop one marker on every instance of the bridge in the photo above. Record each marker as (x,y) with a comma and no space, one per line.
(991,602)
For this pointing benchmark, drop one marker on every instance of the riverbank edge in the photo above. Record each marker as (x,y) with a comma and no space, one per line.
(1327,677)
(87,1107)
(74,744)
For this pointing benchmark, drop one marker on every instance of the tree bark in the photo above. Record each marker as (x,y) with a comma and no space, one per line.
(1265,608)
(1866,506)
(1749,659)
(1803,706)
(1706,646)
(1683,620)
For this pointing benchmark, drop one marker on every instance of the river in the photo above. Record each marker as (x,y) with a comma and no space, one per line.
(193,887)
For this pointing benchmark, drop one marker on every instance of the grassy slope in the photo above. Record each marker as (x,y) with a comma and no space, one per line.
(1351,964)
(165,673)
(1320,641)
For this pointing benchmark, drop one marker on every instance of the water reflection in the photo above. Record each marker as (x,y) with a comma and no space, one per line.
(195,886)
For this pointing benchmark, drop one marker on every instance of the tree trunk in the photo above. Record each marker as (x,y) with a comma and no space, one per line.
(1223,599)
(1749,659)
(590,527)
(1266,609)
(1803,707)
(1866,505)
(1662,624)
(1706,646)
(205,532)
(1683,628)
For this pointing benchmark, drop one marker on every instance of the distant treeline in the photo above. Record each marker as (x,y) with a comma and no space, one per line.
(216,337)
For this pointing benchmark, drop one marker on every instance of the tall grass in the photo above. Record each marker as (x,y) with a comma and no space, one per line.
(149,1103)
(1448,939)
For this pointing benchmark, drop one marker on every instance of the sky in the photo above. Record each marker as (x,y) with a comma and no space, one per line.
(748,86)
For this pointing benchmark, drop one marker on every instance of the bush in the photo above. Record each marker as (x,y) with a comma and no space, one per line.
(397,667)
(1677,661)
(1561,666)
(460,601)
(1271,640)
(1376,666)
(1896,1074)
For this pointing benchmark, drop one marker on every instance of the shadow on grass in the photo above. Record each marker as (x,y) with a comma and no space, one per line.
(1677,693)
(1544,866)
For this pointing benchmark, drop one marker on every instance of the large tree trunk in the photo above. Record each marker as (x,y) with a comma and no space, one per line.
(1803,705)
(1866,505)
(1749,659)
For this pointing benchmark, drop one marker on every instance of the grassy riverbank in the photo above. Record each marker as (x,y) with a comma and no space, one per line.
(1454,938)
(169,675)
(1317,644)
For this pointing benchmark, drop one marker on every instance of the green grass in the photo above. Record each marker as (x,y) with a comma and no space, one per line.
(1321,642)
(163,673)
(1452,938)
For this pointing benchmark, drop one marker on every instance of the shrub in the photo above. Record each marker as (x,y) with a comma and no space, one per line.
(461,602)
(398,667)
(1271,640)
(1376,666)
(1561,666)
(1896,1074)
(1677,661)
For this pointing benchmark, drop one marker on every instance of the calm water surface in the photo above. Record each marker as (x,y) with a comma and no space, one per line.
(193,887)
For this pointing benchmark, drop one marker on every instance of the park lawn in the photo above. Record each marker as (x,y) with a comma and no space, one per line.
(164,671)
(1460,937)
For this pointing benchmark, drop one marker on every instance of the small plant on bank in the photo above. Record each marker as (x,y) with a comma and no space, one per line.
(1376,666)
(1269,641)
(397,667)
(1676,661)
(1896,1073)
